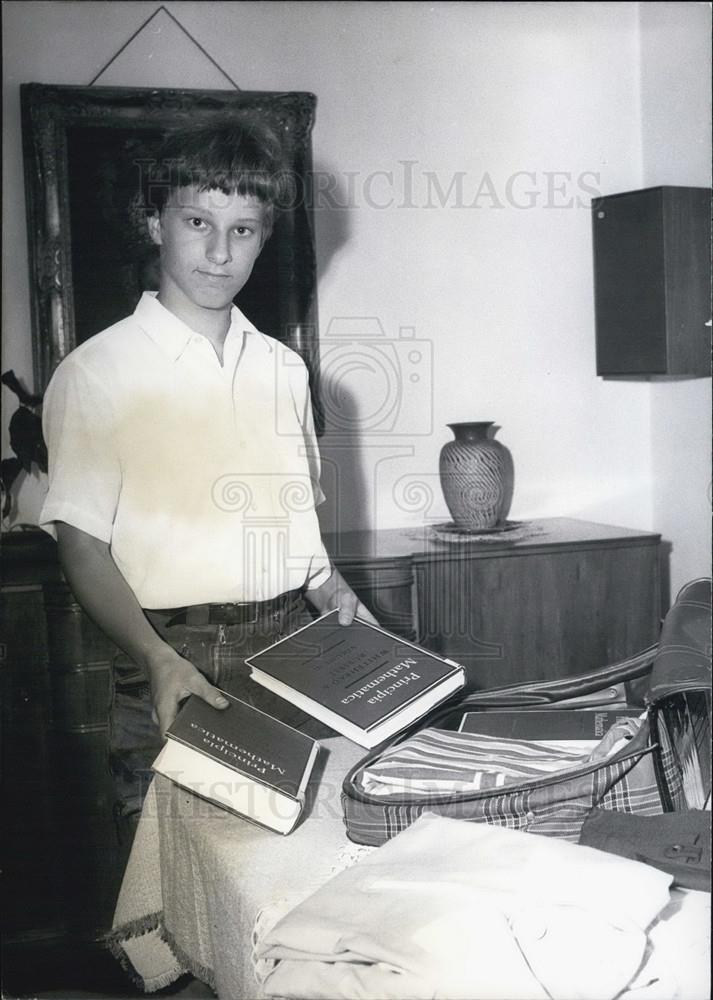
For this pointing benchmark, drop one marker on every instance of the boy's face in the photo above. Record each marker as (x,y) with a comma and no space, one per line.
(209,242)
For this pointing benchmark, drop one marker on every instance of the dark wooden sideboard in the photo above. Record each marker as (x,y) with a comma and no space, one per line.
(62,862)
(557,597)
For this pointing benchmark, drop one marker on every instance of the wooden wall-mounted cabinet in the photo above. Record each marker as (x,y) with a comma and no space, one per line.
(652,281)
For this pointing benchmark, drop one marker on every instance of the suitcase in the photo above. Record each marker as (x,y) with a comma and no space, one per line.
(651,775)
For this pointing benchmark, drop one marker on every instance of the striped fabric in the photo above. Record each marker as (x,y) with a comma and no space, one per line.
(437,760)
(554,804)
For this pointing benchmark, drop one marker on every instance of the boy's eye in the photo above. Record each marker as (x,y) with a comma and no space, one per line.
(243,230)
(195,222)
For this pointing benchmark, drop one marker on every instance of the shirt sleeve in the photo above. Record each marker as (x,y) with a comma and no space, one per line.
(84,468)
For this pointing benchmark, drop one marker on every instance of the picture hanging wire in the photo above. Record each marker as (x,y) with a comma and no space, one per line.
(185,32)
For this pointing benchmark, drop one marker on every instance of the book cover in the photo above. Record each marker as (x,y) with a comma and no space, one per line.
(361,680)
(240,758)
(536,724)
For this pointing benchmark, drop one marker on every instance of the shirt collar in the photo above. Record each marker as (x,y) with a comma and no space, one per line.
(171,334)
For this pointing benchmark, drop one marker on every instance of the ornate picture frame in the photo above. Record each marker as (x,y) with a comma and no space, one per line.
(89,255)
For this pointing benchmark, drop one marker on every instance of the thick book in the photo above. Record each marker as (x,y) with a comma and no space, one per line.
(546,725)
(241,759)
(359,679)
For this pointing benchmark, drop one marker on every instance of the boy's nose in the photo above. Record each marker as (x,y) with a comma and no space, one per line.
(218,250)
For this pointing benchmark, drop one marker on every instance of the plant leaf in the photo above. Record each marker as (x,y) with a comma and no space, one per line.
(26,439)
(10,379)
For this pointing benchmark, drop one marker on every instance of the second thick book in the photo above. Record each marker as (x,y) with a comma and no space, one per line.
(533,725)
(240,759)
(359,679)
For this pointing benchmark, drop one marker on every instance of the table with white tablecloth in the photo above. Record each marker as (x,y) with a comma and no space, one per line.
(202,884)
(198,877)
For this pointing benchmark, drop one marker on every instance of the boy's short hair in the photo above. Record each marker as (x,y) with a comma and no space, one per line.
(233,155)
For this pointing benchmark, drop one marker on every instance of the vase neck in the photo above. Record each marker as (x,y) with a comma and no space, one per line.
(472,431)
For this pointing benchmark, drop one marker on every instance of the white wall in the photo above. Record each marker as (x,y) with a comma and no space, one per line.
(500,295)
(676,149)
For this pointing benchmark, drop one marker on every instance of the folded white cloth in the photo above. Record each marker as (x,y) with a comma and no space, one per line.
(678,966)
(449,909)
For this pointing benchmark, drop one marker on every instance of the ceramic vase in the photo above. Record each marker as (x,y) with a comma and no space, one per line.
(477,477)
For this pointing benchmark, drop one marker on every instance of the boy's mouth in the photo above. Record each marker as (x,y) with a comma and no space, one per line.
(213,275)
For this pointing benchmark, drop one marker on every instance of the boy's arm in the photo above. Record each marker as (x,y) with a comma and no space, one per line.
(109,601)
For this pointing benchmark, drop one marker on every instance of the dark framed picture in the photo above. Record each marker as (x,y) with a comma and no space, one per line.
(90,255)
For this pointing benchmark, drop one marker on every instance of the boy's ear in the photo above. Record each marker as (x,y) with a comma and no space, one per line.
(154,226)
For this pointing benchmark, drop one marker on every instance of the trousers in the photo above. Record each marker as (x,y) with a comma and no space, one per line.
(219,652)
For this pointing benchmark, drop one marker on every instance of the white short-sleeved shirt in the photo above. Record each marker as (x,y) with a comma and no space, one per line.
(203,478)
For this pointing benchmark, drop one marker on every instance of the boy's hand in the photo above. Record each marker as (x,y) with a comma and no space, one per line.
(336,593)
(173,678)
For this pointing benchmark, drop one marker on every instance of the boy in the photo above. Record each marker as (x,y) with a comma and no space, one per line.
(157,426)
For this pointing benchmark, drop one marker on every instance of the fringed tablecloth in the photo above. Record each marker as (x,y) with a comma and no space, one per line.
(203,888)
(198,878)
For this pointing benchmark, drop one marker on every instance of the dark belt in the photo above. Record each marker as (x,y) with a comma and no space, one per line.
(228,614)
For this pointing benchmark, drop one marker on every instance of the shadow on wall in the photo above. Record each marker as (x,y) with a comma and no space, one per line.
(376,385)
(343,479)
(332,214)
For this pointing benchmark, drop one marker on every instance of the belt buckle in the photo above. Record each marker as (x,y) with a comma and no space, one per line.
(256,616)
(237,613)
